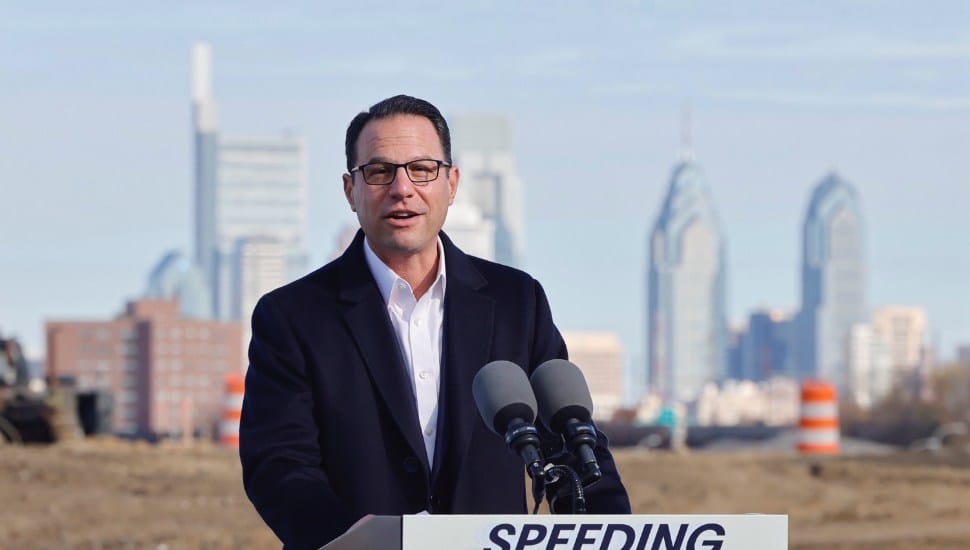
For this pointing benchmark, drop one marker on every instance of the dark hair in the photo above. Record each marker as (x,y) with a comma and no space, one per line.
(397,105)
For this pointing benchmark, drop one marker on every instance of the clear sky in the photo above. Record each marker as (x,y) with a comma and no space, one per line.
(96,154)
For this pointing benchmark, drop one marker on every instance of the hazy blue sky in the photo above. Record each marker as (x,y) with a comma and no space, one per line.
(95,137)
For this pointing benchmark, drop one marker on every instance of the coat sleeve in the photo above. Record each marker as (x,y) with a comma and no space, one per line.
(278,438)
(607,496)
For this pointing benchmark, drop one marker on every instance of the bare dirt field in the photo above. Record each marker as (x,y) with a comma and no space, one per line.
(106,493)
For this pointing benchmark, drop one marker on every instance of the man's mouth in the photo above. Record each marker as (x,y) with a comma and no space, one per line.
(401,215)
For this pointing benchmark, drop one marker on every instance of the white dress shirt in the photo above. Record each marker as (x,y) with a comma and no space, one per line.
(418,325)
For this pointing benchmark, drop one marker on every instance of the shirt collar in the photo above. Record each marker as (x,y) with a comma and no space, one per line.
(386,277)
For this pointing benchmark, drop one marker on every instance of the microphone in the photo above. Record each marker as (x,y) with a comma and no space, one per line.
(505,400)
(565,406)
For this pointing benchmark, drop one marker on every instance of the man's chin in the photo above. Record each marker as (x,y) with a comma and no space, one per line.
(406,247)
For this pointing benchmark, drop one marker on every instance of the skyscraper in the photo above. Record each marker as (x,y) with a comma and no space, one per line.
(205,127)
(488,214)
(686,319)
(262,193)
(245,187)
(833,281)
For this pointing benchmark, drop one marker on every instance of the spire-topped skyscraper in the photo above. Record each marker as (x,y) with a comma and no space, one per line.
(205,128)
(686,318)
(833,280)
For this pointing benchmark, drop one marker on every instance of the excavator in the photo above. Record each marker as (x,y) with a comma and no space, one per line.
(28,412)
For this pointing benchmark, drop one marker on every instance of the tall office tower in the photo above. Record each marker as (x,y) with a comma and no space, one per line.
(166,372)
(260,265)
(176,277)
(262,192)
(490,211)
(686,319)
(765,346)
(833,281)
(600,356)
(205,127)
(245,187)
(869,365)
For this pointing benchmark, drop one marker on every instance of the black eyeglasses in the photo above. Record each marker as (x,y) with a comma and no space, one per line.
(420,172)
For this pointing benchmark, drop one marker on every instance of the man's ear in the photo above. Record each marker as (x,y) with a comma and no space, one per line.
(349,191)
(453,174)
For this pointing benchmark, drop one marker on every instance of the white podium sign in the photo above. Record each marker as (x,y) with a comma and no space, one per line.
(596,532)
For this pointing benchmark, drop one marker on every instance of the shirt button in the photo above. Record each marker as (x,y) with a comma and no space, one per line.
(429,431)
(402,285)
(423,375)
(417,322)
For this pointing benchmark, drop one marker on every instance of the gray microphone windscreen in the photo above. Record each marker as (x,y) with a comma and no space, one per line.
(502,393)
(562,393)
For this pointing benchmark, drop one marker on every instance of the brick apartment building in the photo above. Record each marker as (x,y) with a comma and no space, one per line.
(164,371)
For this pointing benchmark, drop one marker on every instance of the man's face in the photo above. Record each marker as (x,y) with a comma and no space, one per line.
(401,219)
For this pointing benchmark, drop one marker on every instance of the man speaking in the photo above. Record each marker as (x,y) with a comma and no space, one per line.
(359,389)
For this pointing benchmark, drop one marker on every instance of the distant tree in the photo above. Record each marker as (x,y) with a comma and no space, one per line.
(951,390)
(913,411)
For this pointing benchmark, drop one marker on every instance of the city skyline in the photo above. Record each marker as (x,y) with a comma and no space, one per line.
(95,142)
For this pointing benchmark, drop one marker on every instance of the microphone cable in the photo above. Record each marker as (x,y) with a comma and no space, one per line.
(554,473)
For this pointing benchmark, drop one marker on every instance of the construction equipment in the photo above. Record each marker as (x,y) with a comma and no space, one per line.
(28,414)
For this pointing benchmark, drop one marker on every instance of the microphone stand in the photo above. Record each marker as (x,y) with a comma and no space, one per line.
(560,480)
(565,481)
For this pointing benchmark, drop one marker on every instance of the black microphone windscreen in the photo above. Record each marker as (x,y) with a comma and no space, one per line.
(502,393)
(562,393)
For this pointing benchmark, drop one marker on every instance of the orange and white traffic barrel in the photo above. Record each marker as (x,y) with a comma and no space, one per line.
(818,425)
(232,410)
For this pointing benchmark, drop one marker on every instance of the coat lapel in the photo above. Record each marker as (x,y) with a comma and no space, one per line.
(466,348)
(365,313)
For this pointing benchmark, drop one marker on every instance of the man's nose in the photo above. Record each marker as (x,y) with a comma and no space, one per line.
(401,186)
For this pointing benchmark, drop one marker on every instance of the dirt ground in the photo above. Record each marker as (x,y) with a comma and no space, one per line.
(107,493)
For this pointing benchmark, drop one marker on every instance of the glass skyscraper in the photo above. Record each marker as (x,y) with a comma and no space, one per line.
(205,129)
(833,281)
(686,318)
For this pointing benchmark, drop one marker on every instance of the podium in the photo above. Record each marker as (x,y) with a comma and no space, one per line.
(572,532)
